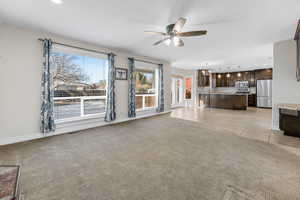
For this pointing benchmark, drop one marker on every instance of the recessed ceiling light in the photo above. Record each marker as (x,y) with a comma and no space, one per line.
(57,1)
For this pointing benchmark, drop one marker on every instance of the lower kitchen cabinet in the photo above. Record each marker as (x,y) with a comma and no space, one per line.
(289,122)
(252,100)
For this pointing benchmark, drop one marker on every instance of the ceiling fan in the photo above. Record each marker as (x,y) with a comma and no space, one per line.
(174,34)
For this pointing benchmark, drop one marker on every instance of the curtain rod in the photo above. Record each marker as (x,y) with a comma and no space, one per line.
(146,61)
(71,46)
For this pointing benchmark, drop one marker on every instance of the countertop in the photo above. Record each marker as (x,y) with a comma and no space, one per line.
(289,106)
(220,93)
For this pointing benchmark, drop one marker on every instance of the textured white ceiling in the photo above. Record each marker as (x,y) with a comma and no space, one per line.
(240,32)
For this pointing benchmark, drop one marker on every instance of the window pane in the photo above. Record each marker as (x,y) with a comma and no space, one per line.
(66,108)
(94,106)
(150,101)
(80,77)
(139,102)
(145,82)
(145,89)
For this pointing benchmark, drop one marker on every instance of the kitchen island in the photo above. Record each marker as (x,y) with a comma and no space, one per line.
(234,101)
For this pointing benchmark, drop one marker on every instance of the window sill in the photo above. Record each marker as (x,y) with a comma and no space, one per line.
(76,119)
(76,123)
(147,109)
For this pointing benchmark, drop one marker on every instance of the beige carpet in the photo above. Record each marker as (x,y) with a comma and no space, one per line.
(159,158)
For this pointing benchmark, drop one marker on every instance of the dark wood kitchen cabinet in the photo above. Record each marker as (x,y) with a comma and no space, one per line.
(289,122)
(263,74)
(203,78)
(220,80)
(252,100)
(224,101)
(229,79)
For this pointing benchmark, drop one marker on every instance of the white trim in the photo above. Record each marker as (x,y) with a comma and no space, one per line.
(177,106)
(146,110)
(76,119)
(70,128)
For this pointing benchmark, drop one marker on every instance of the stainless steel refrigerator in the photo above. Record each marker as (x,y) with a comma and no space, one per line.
(264,93)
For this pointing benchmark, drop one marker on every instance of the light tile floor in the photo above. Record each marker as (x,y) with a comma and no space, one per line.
(255,123)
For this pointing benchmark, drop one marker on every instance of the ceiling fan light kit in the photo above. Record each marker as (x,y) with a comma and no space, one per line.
(174,34)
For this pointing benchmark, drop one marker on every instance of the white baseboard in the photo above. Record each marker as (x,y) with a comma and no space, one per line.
(73,128)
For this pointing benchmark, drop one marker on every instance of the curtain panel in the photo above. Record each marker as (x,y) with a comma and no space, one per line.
(131,97)
(161,99)
(110,114)
(46,114)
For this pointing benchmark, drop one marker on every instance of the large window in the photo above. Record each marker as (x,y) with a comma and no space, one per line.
(80,80)
(146,87)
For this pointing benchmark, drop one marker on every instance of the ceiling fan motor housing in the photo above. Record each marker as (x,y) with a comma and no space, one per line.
(170,28)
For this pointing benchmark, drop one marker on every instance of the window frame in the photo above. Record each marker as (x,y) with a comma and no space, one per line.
(79,52)
(144,68)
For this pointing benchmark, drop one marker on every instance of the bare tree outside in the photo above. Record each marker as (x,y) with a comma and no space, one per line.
(66,71)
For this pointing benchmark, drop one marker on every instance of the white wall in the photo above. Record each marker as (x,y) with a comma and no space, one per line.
(286,89)
(187,73)
(20,81)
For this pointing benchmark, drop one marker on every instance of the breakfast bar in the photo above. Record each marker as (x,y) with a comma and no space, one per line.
(234,101)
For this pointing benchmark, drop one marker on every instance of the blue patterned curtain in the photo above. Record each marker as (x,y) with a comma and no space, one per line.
(47,117)
(161,98)
(111,102)
(131,98)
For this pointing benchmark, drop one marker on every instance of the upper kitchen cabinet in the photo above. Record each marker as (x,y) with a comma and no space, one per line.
(263,74)
(229,79)
(250,77)
(203,78)
(220,80)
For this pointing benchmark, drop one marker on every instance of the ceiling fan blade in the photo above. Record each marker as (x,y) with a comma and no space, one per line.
(178,42)
(192,33)
(155,33)
(160,41)
(179,24)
